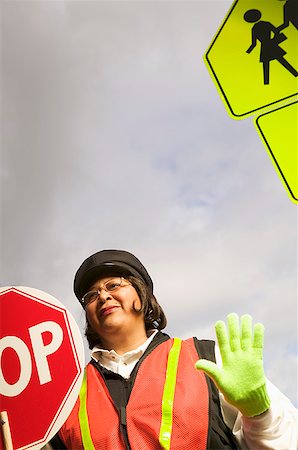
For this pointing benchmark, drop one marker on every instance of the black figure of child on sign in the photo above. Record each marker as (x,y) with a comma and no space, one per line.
(270,48)
(290,14)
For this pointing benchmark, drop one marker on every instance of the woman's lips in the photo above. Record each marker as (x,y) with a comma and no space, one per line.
(108,310)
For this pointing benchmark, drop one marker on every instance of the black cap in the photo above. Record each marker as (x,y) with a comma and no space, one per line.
(108,262)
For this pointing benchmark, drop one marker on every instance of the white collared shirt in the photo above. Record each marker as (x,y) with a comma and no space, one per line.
(121,364)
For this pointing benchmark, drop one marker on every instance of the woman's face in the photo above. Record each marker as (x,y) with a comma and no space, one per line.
(115,311)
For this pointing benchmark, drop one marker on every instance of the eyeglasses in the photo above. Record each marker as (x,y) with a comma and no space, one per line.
(109,286)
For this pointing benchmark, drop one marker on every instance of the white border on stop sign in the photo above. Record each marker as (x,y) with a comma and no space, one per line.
(78,349)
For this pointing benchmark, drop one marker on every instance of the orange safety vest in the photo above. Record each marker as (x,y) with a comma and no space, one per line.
(168,407)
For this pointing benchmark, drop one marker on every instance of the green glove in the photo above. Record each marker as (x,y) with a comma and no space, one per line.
(241,378)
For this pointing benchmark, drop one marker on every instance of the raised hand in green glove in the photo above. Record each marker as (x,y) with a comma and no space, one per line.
(241,378)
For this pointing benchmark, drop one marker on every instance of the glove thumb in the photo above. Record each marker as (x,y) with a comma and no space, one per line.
(209,367)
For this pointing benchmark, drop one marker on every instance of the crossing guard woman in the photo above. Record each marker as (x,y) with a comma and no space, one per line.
(143,390)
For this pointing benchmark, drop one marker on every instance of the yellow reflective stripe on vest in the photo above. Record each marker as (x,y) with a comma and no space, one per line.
(83,416)
(165,432)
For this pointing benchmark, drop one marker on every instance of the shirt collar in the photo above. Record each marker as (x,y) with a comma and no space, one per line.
(98,353)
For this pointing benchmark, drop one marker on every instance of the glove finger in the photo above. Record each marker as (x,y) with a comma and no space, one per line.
(246,332)
(209,368)
(258,341)
(222,339)
(234,333)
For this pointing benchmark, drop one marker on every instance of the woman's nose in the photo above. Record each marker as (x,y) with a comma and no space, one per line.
(103,296)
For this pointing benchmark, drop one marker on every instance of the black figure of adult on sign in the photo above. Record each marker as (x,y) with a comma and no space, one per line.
(270,48)
(290,14)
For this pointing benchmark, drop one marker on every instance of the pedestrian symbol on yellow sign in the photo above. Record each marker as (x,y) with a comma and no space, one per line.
(270,49)
(253,60)
(290,14)
(267,74)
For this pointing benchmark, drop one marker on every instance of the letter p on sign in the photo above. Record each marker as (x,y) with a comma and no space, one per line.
(41,365)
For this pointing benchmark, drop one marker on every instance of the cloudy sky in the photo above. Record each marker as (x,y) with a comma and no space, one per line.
(114,136)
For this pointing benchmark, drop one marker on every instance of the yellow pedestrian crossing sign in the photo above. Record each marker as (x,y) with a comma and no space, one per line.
(253,58)
(279,131)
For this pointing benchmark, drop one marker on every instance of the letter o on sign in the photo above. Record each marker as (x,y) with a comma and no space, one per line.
(12,390)
(35,344)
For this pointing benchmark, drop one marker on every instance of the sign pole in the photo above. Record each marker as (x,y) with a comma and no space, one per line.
(5,431)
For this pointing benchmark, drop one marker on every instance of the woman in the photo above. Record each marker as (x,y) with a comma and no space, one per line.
(141,389)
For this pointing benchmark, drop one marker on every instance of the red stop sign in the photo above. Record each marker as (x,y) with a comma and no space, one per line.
(41,364)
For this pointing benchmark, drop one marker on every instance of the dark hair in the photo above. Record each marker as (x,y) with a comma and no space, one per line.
(153,313)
